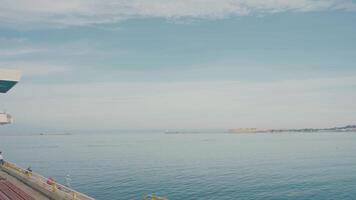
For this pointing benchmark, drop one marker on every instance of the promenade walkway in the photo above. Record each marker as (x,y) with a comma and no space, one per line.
(13,189)
(44,186)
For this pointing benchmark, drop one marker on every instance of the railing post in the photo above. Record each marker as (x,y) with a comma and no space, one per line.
(74,197)
(54,187)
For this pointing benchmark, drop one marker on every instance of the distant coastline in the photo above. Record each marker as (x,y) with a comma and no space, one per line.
(348,128)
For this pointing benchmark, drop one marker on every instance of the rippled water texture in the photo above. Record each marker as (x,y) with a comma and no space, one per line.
(198,166)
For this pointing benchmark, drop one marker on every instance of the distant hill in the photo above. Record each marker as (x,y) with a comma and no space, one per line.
(348,128)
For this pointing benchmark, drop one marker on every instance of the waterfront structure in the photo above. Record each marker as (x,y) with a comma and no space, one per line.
(17,183)
(8,79)
(5,118)
(243,130)
(22,184)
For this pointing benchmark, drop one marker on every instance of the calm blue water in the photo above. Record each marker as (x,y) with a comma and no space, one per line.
(201,166)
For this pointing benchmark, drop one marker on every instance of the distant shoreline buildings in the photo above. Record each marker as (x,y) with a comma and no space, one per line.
(348,128)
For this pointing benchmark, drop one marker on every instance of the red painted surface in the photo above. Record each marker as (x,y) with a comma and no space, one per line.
(9,191)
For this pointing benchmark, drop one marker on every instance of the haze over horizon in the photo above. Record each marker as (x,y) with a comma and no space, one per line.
(191,64)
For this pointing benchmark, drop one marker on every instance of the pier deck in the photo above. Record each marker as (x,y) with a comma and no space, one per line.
(34,185)
(13,189)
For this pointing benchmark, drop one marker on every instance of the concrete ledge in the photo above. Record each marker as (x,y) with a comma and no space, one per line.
(24,187)
(41,184)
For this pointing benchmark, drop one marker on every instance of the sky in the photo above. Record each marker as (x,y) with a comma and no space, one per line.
(179,64)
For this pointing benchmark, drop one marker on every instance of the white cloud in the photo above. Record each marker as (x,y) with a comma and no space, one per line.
(86,12)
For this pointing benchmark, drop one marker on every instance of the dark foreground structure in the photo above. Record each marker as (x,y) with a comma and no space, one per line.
(17,183)
(13,189)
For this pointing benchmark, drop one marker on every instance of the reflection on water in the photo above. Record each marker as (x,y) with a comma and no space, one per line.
(198,166)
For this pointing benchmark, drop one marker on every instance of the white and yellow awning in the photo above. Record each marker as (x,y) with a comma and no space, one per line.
(8,79)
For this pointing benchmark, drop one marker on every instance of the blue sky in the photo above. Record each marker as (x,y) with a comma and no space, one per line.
(180,64)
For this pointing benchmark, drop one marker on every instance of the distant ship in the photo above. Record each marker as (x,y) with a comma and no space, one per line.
(172,132)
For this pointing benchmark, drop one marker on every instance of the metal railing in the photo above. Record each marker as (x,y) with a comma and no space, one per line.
(49,185)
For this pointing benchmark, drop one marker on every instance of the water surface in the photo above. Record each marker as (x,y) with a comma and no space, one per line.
(196,166)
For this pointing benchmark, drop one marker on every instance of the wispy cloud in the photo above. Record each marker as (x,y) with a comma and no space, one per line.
(31,69)
(83,12)
(9,52)
(193,104)
(12,40)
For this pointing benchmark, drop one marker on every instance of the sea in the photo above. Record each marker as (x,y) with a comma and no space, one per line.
(217,166)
